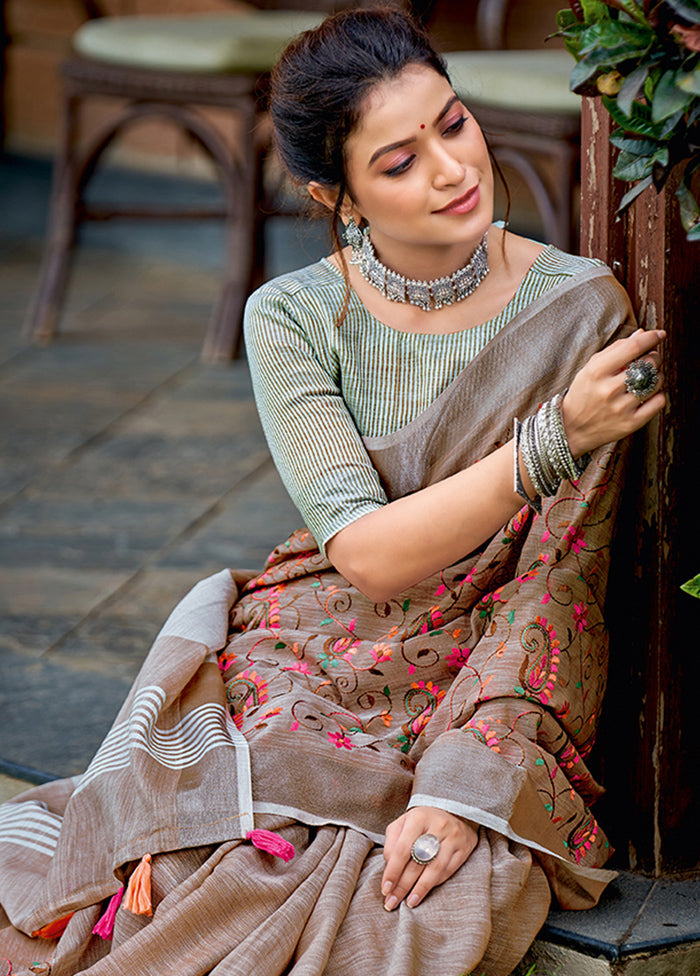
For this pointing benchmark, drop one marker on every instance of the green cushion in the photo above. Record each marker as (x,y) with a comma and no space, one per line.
(534,81)
(201,43)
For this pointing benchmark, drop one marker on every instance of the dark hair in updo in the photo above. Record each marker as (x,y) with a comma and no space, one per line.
(322,78)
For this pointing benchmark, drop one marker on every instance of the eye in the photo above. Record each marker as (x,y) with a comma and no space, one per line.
(454,127)
(400,167)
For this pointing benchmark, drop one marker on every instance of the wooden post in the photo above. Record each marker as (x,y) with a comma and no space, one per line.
(649,744)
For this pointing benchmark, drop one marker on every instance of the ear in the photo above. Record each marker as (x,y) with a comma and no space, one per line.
(328,196)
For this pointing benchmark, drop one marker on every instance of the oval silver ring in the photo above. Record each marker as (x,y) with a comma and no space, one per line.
(425,849)
(641,378)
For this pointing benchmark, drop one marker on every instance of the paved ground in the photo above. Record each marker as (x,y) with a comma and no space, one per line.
(128,470)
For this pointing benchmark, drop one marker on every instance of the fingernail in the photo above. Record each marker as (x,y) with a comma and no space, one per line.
(391,903)
(412,901)
(386,887)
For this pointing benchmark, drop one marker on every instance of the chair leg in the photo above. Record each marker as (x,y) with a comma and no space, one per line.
(43,317)
(223,340)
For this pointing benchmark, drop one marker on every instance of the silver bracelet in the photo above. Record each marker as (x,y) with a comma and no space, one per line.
(541,440)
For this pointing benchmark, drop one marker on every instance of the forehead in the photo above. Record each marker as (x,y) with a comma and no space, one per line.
(394,109)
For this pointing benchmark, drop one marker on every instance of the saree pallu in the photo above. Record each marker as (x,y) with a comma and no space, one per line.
(287,700)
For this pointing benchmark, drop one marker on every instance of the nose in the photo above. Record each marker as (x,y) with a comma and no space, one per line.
(449,170)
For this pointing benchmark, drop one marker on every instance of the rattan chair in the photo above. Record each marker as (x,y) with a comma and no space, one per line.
(532,120)
(168,67)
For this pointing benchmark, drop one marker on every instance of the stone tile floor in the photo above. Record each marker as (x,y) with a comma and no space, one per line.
(128,471)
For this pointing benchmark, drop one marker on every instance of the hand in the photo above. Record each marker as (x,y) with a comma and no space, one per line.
(597,408)
(402,876)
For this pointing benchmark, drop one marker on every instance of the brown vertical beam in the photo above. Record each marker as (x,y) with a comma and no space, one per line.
(649,747)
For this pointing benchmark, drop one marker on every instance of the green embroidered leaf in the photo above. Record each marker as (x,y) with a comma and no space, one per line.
(539,761)
(386,692)
(692,587)
(280,645)
(316,583)
(518,690)
(405,605)
(510,616)
(328,620)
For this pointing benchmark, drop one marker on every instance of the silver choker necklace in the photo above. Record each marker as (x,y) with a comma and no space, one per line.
(427,295)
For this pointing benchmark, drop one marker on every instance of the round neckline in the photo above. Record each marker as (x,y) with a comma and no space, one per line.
(355,300)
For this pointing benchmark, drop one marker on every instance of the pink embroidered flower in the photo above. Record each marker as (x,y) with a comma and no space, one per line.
(340,740)
(458,657)
(301,666)
(381,652)
(226,659)
(580,616)
(575,537)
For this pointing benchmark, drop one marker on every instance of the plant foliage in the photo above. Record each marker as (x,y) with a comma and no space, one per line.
(643,57)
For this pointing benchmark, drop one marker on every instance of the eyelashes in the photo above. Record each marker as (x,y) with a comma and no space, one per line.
(454,128)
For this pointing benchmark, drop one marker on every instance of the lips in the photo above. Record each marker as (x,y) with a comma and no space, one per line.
(462,204)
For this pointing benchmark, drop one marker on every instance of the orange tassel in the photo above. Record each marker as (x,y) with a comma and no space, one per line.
(138,894)
(54,930)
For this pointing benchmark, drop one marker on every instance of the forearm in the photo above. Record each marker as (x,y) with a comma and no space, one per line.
(392,548)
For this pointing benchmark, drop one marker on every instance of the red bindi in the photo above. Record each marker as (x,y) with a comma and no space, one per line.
(422,125)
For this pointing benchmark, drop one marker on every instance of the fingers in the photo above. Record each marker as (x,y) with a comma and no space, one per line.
(403,878)
(622,352)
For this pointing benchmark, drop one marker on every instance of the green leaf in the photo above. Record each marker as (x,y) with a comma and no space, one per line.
(630,87)
(633,193)
(692,586)
(688,9)
(566,20)
(690,211)
(638,121)
(689,81)
(668,98)
(637,147)
(630,167)
(594,10)
(616,40)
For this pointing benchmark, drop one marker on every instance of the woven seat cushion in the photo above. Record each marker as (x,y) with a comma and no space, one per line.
(533,81)
(246,42)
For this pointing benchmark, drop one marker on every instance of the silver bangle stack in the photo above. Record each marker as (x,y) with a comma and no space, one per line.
(541,440)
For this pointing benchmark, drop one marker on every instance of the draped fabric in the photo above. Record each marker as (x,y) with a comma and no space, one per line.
(287,700)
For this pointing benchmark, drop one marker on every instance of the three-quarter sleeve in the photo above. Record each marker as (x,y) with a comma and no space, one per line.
(312,437)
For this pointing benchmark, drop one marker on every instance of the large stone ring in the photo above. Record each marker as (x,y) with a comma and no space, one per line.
(425,849)
(641,378)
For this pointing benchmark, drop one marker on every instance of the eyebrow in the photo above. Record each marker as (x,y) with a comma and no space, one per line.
(407,142)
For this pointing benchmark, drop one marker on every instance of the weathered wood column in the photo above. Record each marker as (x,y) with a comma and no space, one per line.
(650,741)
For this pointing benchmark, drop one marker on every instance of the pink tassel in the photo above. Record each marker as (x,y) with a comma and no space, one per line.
(105,926)
(265,840)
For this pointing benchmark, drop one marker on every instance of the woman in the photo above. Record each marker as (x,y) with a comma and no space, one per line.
(391,776)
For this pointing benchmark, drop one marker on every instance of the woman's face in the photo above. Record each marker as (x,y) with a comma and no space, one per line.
(418,169)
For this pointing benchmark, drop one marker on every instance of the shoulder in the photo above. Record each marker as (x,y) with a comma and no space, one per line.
(297,292)
(552,261)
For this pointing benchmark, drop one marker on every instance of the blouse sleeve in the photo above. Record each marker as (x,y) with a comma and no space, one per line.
(312,437)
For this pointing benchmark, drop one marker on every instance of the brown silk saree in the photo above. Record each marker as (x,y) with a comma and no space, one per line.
(288,701)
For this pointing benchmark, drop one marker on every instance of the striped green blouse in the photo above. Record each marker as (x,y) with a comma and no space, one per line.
(320,387)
